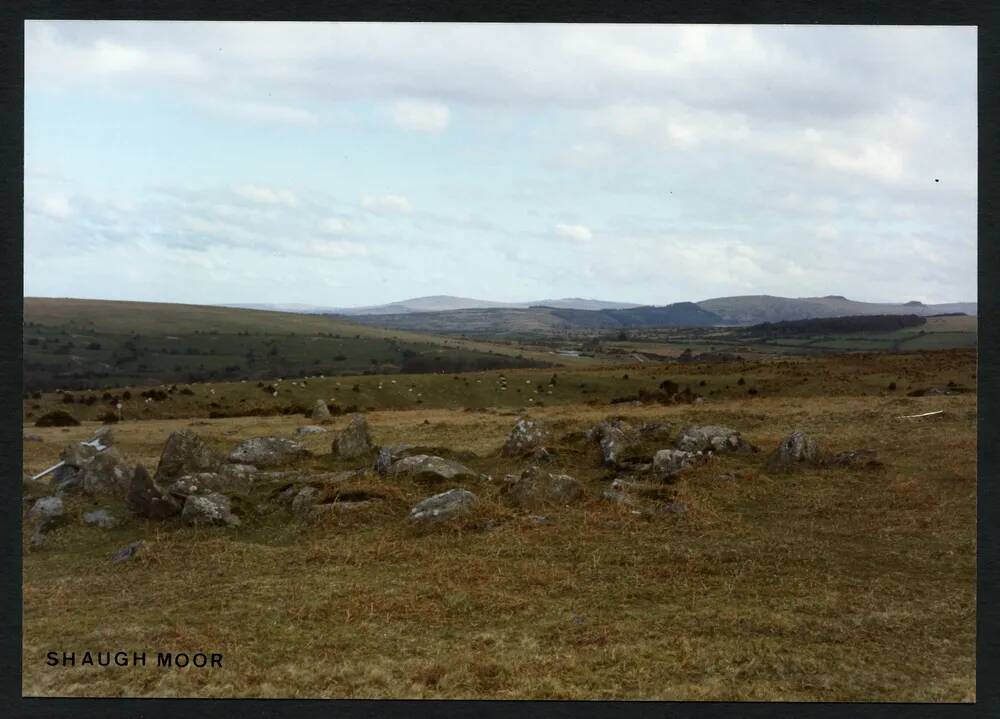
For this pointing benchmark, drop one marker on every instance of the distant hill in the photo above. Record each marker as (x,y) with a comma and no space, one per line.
(436,303)
(542,320)
(755,309)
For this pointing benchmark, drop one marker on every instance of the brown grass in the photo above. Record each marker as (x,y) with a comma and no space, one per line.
(815,584)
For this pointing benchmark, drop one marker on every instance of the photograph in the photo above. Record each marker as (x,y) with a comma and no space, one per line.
(499,361)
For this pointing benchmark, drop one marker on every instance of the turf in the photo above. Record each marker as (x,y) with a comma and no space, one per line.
(826,584)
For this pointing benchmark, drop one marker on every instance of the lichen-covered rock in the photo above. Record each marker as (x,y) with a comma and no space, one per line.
(267,451)
(535,488)
(100,518)
(712,438)
(77,454)
(320,411)
(428,468)
(310,429)
(387,456)
(47,510)
(209,510)
(106,475)
(442,507)
(354,440)
(185,453)
(305,501)
(208,482)
(614,436)
(526,436)
(797,448)
(669,462)
(147,498)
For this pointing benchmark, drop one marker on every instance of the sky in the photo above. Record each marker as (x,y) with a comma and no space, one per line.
(347,164)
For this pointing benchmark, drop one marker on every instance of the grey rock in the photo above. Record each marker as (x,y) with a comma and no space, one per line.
(33,438)
(100,518)
(797,448)
(305,501)
(67,479)
(147,498)
(614,437)
(428,468)
(184,453)
(387,456)
(526,436)
(535,488)
(712,438)
(47,509)
(442,507)
(267,452)
(310,429)
(320,411)
(669,462)
(208,510)
(77,455)
(354,440)
(128,552)
(106,475)
(856,458)
(47,513)
(209,482)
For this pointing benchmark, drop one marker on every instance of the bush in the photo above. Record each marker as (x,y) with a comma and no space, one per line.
(108,417)
(57,418)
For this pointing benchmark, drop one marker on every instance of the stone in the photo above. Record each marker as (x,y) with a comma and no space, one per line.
(267,452)
(711,438)
(148,499)
(77,454)
(387,456)
(67,479)
(106,475)
(33,438)
(797,448)
(614,437)
(442,507)
(856,458)
(310,429)
(47,510)
(128,552)
(425,467)
(674,508)
(185,452)
(669,462)
(305,501)
(100,518)
(209,510)
(209,482)
(526,436)
(320,411)
(535,488)
(354,440)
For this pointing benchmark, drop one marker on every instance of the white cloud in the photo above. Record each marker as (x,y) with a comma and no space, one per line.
(56,206)
(338,249)
(333,226)
(420,115)
(386,203)
(267,195)
(574,232)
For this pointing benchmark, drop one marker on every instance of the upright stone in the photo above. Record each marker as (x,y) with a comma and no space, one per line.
(355,440)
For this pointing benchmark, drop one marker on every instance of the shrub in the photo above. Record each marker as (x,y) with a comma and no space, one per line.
(108,417)
(57,418)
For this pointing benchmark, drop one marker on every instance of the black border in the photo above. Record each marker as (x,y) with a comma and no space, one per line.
(982,13)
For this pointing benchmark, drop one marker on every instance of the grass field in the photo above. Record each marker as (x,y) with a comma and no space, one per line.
(70,343)
(812,584)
